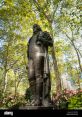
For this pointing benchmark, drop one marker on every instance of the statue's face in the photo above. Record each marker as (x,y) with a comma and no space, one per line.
(36,28)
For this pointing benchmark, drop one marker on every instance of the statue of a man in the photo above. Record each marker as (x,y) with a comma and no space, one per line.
(38,66)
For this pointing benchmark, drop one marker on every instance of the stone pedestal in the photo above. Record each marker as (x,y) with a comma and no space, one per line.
(37,108)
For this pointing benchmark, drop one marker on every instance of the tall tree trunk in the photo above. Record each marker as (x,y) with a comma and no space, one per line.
(78,57)
(15,87)
(79,62)
(56,70)
(57,74)
(4,83)
(5,71)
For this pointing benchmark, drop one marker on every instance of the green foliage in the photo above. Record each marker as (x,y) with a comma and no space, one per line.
(75,102)
(11,100)
(63,104)
(28,95)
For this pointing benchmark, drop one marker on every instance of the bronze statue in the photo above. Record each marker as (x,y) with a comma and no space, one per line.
(38,66)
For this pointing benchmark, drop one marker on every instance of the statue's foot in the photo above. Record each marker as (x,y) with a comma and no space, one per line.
(35,103)
(38,103)
(46,103)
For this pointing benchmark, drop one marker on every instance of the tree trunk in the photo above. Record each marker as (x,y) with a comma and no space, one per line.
(78,57)
(57,74)
(79,62)
(56,70)
(15,87)
(5,70)
(4,83)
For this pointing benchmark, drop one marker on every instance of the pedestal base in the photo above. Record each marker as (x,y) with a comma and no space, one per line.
(37,108)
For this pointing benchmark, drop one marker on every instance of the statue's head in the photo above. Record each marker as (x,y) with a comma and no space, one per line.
(36,28)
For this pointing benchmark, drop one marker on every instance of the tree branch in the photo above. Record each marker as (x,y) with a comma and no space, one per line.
(40,9)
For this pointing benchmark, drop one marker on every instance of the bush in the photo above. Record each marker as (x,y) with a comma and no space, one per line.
(75,102)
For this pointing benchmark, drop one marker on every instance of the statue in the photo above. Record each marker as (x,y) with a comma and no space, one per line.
(38,66)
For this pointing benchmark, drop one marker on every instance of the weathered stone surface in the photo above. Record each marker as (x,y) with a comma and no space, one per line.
(28,107)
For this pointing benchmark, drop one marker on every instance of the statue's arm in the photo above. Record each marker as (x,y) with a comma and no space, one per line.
(45,38)
(48,39)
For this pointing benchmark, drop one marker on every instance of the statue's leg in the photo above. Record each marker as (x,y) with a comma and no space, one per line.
(32,80)
(49,87)
(39,66)
(46,94)
(46,90)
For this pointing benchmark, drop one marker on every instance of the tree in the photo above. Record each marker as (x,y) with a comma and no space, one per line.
(71,27)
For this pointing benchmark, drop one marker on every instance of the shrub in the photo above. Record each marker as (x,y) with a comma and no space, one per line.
(75,102)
